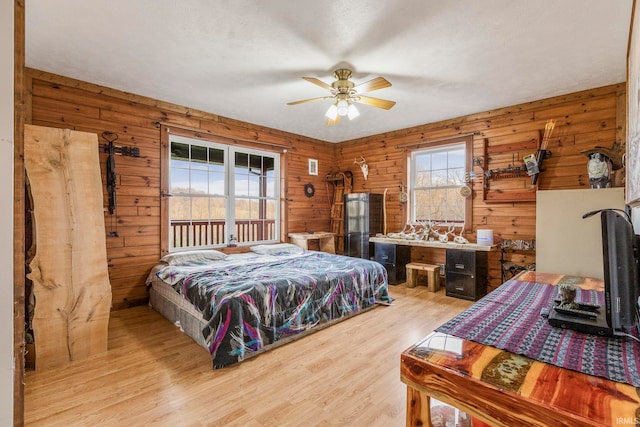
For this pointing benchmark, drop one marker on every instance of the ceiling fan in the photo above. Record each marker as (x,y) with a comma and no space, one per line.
(345,93)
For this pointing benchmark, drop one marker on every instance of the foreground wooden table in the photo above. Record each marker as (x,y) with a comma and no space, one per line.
(506,389)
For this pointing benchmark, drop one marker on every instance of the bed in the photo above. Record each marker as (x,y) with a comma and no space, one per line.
(240,305)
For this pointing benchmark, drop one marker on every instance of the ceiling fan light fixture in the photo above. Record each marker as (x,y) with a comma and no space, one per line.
(353,112)
(332,112)
(343,93)
(343,107)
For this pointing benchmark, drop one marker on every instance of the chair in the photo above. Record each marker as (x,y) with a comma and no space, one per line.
(514,257)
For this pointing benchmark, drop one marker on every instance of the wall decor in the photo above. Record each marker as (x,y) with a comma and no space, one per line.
(111,137)
(364,167)
(403,196)
(633,110)
(313,167)
(309,190)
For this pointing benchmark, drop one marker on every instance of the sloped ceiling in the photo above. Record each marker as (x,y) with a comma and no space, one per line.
(244,59)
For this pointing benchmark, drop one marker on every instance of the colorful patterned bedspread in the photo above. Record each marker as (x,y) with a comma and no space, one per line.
(252,302)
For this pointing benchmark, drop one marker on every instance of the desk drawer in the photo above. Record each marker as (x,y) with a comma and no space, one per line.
(396,274)
(466,274)
(461,261)
(385,253)
(461,286)
(393,258)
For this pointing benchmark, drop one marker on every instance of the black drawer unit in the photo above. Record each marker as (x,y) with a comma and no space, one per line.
(394,258)
(466,273)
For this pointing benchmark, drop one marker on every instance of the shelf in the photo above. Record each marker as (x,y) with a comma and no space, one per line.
(521,187)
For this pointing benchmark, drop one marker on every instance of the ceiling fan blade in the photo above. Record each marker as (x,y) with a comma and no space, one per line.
(333,122)
(375,102)
(304,101)
(317,82)
(371,85)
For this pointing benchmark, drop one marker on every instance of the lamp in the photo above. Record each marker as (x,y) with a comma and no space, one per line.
(332,112)
(353,112)
(343,107)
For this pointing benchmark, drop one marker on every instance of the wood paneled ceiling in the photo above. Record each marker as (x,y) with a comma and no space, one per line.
(244,59)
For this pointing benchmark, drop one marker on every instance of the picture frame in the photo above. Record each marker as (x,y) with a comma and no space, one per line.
(313,167)
(632,152)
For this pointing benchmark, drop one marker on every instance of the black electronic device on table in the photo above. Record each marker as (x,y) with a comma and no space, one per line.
(620,250)
(576,312)
(590,321)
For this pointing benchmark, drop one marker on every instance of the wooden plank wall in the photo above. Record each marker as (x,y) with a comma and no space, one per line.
(62,102)
(583,120)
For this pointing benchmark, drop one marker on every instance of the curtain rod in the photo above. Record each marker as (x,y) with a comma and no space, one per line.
(413,144)
(220,137)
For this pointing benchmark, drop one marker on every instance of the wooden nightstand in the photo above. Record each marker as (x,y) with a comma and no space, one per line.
(325,240)
(235,249)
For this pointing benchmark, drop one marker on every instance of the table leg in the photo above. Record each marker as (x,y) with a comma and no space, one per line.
(300,242)
(418,408)
(327,244)
(412,277)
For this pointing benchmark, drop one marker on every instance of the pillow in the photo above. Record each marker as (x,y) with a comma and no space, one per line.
(277,249)
(188,257)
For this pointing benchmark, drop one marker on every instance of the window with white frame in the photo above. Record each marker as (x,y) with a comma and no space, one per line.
(437,175)
(221,194)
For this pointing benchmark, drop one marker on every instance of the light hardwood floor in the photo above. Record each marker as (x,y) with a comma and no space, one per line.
(152,374)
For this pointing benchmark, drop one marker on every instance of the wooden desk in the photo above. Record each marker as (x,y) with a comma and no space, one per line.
(546,395)
(325,240)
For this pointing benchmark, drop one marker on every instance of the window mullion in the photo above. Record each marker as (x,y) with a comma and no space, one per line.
(230,170)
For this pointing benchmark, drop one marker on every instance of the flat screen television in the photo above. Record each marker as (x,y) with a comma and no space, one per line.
(620,248)
(620,252)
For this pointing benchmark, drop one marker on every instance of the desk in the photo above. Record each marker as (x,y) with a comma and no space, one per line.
(547,395)
(325,240)
(466,267)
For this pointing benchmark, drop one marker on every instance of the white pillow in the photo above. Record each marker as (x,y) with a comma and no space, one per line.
(188,257)
(277,249)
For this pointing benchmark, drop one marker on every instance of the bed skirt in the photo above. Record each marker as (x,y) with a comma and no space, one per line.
(166,301)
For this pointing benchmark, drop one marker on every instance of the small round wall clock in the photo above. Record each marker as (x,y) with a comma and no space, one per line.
(309,190)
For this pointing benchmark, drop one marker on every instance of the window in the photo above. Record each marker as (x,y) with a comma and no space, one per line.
(436,176)
(221,194)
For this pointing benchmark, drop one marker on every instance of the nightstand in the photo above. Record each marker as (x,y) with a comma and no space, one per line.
(325,240)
